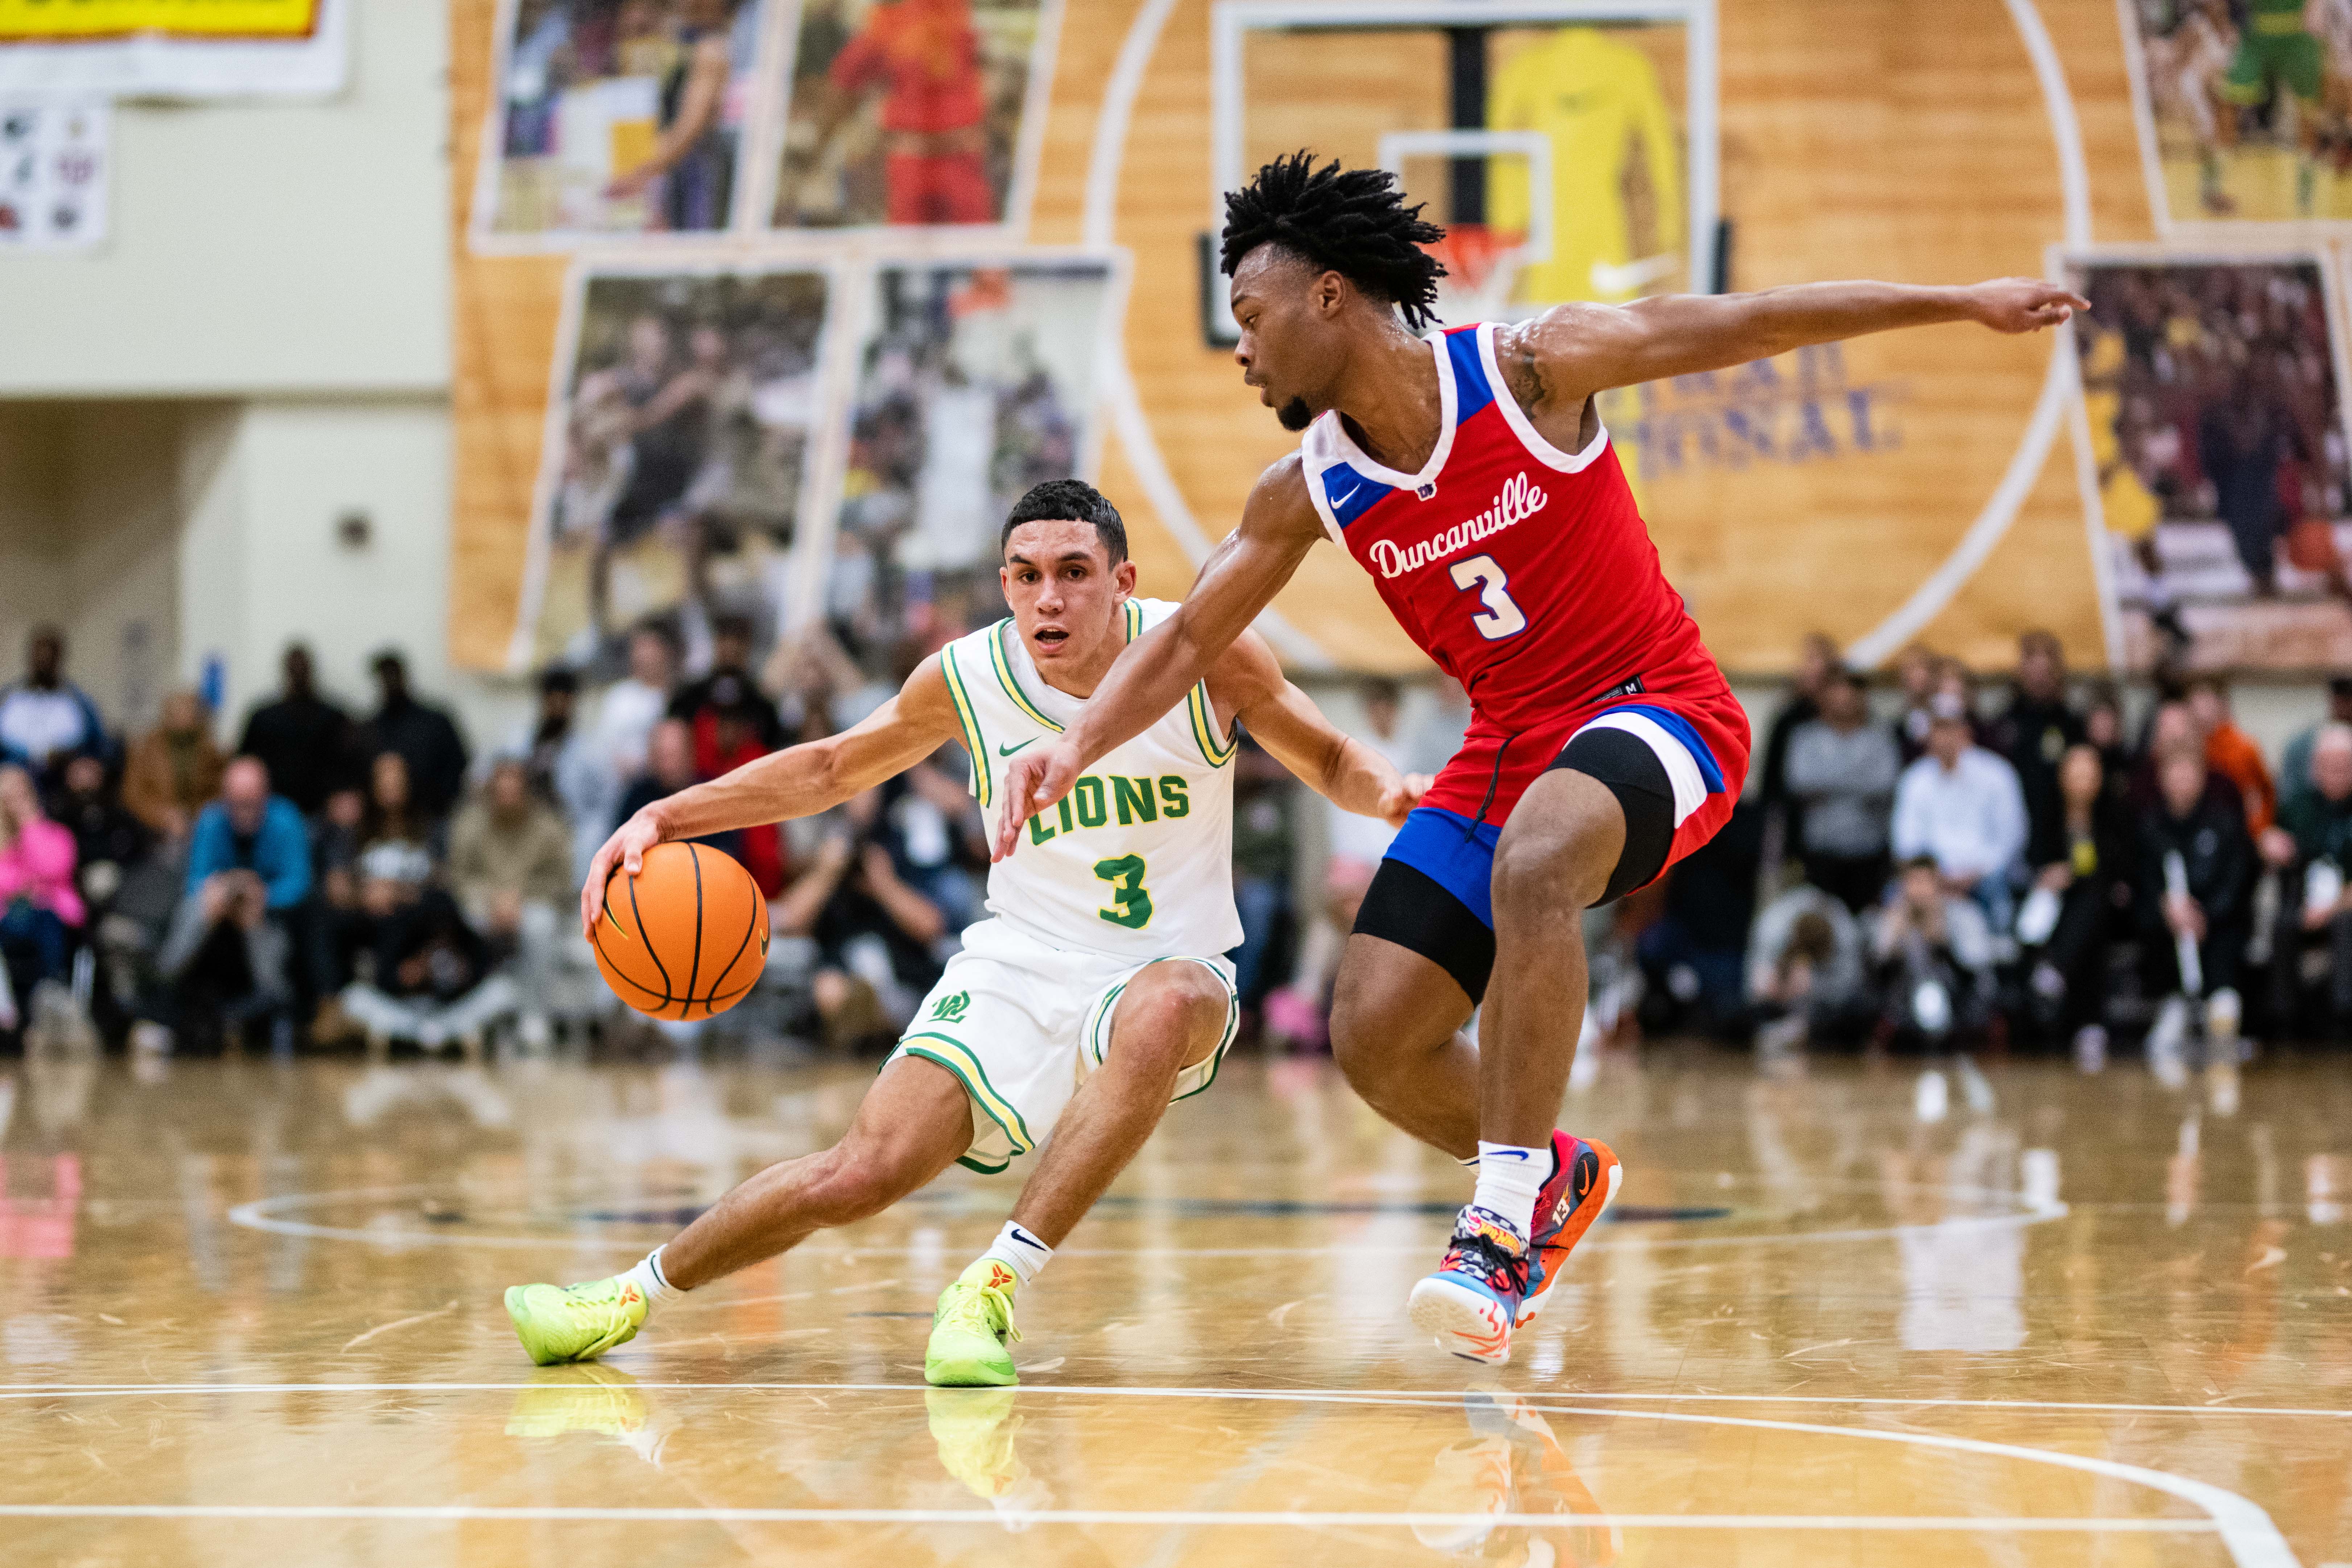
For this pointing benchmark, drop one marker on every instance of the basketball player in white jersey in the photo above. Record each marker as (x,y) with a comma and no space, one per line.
(1095,995)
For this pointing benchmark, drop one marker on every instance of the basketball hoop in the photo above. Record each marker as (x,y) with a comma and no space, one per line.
(1482,272)
(1482,264)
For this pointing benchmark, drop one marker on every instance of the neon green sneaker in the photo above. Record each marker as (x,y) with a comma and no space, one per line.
(971,1330)
(575,1322)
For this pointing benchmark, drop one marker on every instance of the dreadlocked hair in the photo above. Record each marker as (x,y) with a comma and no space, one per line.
(1353,222)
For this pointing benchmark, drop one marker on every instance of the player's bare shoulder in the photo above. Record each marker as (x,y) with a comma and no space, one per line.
(924,705)
(1549,362)
(1280,506)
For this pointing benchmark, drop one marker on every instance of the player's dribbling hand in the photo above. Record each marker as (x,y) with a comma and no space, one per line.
(625,849)
(1399,802)
(2024,304)
(1037,779)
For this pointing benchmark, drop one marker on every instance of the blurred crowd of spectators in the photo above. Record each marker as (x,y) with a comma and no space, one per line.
(1972,863)
(340,876)
(1936,862)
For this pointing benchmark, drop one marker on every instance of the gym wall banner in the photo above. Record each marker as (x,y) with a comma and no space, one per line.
(174,48)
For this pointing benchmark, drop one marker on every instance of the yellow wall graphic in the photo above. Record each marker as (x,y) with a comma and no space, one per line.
(68,21)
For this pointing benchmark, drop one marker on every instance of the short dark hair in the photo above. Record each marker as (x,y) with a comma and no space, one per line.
(1812,938)
(658,626)
(1073,500)
(1353,222)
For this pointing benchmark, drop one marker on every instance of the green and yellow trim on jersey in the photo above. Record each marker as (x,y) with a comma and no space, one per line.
(968,717)
(1204,727)
(945,1051)
(1011,682)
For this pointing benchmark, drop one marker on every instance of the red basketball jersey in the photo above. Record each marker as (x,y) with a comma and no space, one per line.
(1526,572)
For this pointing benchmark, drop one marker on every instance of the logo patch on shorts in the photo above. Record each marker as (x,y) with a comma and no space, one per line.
(951,1009)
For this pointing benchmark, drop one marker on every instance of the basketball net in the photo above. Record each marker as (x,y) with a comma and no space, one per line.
(1482,272)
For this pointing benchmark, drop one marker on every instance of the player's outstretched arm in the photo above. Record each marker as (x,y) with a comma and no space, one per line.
(1243,574)
(1571,351)
(1247,681)
(799,781)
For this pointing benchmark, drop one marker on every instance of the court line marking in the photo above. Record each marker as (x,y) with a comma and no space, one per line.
(2246,1531)
(260,1213)
(1373,1395)
(1078,1516)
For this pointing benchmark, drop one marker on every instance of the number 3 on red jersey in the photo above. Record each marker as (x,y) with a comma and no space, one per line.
(1501,616)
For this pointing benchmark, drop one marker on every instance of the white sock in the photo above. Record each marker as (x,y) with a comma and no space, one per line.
(651,1283)
(1019,1251)
(1469,1165)
(1509,1176)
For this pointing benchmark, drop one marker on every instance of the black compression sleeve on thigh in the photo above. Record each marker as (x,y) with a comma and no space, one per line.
(1634,774)
(1412,910)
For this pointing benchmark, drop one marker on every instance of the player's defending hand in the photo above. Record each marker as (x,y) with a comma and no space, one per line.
(1399,802)
(1037,779)
(626,849)
(2024,304)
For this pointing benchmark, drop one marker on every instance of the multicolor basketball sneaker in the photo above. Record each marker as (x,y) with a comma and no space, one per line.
(1584,1179)
(1469,1305)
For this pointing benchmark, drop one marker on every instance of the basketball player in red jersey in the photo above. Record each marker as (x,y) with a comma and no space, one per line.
(1468,471)
(925,55)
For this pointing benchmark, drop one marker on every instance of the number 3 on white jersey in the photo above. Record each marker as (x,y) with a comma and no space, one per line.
(1501,618)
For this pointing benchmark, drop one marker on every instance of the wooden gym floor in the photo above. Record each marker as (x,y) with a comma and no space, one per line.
(250,1315)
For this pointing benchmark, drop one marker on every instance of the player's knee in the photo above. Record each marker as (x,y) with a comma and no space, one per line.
(857,1182)
(1545,867)
(1363,1045)
(1169,1021)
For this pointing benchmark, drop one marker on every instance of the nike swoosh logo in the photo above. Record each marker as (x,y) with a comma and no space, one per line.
(1518,1154)
(1008,751)
(1611,280)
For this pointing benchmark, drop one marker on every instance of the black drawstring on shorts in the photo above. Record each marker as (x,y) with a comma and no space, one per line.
(1494,782)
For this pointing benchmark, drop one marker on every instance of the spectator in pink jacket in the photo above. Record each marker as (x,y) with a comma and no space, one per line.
(37,900)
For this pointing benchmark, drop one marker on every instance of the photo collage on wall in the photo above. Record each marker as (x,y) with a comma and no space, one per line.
(1579,165)
(806,360)
(2213,450)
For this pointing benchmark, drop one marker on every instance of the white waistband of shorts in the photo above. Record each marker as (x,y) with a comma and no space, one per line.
(1682,768)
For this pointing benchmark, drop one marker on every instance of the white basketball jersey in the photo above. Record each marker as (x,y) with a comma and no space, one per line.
(1136,860)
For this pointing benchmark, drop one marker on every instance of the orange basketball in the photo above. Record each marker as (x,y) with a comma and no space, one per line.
(686,937)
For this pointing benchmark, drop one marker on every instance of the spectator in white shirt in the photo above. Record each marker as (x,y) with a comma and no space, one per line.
(1960,806)
(633,706)
(566,766)
(1805,968)
(1841,770)
(46,716)
(1934,953)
